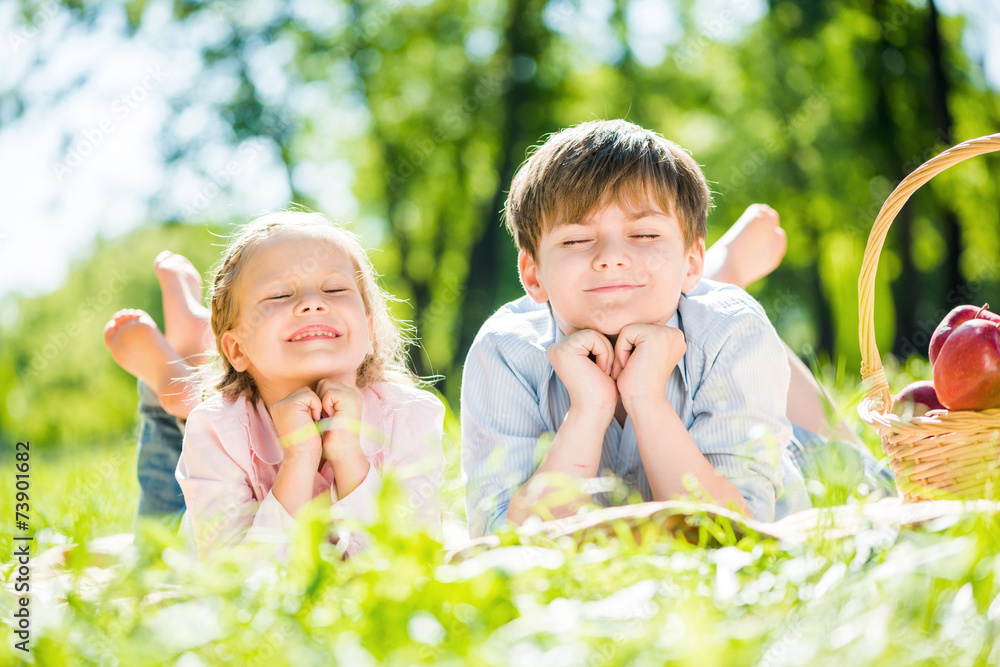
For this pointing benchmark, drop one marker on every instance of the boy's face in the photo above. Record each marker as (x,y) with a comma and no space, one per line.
(615,267)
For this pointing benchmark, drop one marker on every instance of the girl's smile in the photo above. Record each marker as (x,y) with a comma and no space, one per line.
(301,315)
(314,332)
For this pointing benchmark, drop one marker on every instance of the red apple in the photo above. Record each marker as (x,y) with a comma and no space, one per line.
(967,370)
(916,399)
(957,316)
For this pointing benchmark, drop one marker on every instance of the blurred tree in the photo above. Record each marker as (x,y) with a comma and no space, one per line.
(58,382)
(421,112)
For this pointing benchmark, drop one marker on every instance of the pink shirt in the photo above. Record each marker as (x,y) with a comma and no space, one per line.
(232,453)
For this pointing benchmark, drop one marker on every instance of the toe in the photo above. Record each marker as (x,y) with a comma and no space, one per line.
(126,315)
(117,321)
(162,257)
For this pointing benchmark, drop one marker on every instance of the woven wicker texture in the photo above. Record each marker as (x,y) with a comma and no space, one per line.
(942,454)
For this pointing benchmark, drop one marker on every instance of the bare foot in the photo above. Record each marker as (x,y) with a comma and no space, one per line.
(749,250)
(137,345)
(187,323)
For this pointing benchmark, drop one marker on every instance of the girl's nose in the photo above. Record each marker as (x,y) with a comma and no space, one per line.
(310,302)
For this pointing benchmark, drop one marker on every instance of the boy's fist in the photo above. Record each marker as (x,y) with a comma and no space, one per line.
(588,380)
(645,356)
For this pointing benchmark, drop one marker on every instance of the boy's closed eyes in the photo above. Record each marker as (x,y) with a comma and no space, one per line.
(620,266)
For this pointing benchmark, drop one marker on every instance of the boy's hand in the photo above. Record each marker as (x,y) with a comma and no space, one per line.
(342,431)
(645,356)
(588,380)
(295,419)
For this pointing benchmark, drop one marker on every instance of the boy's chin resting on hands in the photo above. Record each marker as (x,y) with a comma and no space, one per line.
(645,356)
(583,361)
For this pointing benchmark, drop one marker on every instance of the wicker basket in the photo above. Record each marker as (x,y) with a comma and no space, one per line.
(942,454)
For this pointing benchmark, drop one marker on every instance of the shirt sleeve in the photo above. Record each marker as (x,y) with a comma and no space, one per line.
(501,427)
(416,458)
(739,410)
(221,508)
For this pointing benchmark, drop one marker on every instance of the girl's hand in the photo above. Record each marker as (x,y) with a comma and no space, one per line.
(295,418)
(341,404)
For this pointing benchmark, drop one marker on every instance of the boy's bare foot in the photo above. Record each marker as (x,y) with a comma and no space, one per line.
(749,250)
(187,324)
(137,345)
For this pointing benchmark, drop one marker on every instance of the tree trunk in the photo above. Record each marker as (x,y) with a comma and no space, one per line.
(907,286)
(941,116)
(492,254)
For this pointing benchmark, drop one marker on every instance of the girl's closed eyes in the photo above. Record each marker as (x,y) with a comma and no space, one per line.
(302,352)
(337,290)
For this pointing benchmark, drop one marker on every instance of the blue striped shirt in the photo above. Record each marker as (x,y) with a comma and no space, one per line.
(729,389)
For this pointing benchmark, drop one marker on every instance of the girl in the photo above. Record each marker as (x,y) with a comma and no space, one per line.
(314,400)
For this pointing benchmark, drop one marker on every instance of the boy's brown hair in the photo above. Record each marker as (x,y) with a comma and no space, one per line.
(595,163)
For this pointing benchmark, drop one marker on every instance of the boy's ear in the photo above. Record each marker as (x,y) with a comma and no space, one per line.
(695,266)
(233,350)
(528,269)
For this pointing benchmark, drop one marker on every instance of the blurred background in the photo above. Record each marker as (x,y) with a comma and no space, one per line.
(126,129)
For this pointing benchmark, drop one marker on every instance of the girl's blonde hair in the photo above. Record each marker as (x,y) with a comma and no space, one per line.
(389,336)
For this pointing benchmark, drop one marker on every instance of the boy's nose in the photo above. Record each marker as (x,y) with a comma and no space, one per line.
(611,254)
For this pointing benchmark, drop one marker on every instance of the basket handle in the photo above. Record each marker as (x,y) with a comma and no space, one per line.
(873,377)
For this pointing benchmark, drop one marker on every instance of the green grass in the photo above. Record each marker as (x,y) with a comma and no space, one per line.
(884,596)
(78,492)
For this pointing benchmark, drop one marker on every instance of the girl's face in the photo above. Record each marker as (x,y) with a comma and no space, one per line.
(301,316)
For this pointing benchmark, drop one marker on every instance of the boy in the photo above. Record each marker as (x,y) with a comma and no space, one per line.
(640,368)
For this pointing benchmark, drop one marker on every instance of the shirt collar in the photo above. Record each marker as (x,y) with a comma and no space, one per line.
(263,435)
(674,321)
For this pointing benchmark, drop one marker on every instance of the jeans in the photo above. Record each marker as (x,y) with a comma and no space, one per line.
(842,466)
(160,439)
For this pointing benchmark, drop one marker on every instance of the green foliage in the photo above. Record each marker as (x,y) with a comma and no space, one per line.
(60,384)
(816,108)
(883,595)
(426,109)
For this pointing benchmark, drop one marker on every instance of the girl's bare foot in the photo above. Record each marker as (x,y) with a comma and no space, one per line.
(137,345)
(187,324)
(749,250)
